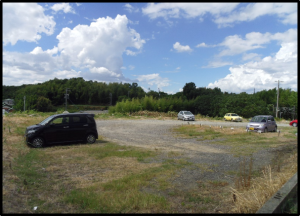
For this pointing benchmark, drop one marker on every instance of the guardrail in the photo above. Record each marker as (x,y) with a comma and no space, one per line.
(279,200)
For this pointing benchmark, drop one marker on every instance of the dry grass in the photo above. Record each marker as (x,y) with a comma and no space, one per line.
(250,200)
(73,167)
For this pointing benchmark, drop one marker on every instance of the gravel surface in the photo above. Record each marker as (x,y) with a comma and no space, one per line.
(210,161)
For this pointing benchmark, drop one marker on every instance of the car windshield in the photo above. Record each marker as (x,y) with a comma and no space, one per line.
(44,122)
(233,114)
(259,119)
(187,113)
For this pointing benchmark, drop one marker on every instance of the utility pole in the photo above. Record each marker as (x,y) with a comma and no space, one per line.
(66,97)
(277,108)
(24,102)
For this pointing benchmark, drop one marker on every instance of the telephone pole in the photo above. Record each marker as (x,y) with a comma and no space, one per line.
(67,96)
(277,108)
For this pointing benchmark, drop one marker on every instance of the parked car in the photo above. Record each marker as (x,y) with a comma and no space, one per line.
(62,128)
(233,117)
(185,115)
(294,123)
(262,123)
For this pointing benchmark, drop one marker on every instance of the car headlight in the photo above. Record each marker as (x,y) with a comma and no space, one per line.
(31,131)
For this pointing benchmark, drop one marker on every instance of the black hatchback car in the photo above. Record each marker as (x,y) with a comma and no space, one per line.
(63,128)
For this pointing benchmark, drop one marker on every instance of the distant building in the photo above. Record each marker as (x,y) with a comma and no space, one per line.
(7,105)
(10,102)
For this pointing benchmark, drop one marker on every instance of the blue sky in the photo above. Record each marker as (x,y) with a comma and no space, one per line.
(233,46)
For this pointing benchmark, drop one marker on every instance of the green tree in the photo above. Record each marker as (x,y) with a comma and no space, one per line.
(43,104)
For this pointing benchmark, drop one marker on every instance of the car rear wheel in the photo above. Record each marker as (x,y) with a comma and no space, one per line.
(224,119)
(266,130)
(38,142)
(90,138)
(275,130)
(294,124)
(231,120)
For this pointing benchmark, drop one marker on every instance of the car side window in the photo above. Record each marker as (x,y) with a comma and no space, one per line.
(76,119)
(60,120)
(180,113)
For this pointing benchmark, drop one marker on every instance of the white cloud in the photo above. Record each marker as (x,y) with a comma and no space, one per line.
(131,67)
(25,21)
(248,56)
(236,45)
(154,79)
(178,68)
(262,74)
(287,13)
(224,14)
(186,10)
(78,50)
(130,8)
(112,35)
(216,64)
(180,48)
(202,45)
(65,7)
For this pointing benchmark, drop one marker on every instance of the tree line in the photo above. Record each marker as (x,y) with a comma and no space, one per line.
(127,97)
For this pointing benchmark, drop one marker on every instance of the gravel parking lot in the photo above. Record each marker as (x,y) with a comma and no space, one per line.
(214,161)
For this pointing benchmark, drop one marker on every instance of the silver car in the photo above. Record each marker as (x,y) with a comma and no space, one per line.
(185,116)
(262,123)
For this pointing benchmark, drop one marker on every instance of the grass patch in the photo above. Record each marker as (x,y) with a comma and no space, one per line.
(241,143)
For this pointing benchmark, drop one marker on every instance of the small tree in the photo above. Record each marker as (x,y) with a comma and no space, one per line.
(44,104)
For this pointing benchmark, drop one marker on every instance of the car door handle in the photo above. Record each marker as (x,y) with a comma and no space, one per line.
(86,125)
(66,127)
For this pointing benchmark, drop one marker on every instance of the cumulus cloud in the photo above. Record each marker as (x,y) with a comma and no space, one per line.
(94,50)
(180,48)
(262,74)
(65,7)
(224,14)
(25,22)
(154,79)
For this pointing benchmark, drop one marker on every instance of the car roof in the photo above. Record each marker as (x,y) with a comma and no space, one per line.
(71,114)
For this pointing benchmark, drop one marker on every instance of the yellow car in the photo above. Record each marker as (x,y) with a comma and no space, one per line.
(233,117)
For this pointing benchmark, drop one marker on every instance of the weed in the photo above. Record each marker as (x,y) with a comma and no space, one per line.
(244,177)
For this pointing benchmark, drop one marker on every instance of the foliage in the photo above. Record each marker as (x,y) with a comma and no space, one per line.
(129,98)
(44,104)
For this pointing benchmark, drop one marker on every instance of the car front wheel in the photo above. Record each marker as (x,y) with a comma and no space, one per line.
(38,142)
(294,124)
(90,138)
